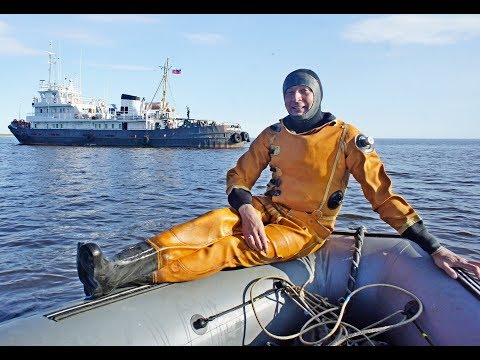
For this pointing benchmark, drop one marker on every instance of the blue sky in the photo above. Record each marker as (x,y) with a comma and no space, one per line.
(391,75)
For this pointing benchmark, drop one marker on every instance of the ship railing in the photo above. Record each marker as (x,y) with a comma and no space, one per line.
(71,87)
(20,123)
(128,117)
(208,122)
(68,116)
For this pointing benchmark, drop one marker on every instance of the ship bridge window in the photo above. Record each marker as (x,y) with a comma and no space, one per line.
(113,126)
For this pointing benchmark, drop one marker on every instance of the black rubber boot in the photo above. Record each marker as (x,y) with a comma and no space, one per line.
(132,266)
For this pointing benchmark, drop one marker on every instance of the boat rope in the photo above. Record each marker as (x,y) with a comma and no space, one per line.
(357,253)
(202,322)
(410,309)
(327,324)
(309,262)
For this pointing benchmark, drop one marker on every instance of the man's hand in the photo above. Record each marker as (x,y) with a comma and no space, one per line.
(253,228)
(447,260)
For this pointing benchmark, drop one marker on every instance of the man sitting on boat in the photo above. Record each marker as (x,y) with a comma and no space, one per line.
(311,155)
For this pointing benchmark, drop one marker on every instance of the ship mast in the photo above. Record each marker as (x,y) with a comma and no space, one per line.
(50,62)
(163,102)
(49,66)
(164,95)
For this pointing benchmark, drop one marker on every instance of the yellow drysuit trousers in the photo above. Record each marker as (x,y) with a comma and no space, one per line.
(214,241)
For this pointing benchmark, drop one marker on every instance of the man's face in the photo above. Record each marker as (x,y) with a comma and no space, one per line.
(298,100)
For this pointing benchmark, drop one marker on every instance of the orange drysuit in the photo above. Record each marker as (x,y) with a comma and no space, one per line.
(310,173)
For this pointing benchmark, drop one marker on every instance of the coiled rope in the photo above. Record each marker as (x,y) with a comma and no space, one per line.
(324,319)
(323,315)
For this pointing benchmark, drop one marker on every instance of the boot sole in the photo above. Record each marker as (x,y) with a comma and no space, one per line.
(89,258)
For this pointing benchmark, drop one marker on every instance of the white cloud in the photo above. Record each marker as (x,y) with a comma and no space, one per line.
(11,47)
(204,38)
(415,29)
(4,27)
(85,37)
(121,18)
(122,67)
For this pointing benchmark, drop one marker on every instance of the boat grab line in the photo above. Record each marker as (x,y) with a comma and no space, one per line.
(105,300)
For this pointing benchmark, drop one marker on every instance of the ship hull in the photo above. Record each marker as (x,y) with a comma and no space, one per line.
(206,137)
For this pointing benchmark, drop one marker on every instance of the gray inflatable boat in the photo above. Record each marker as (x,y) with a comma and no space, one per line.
(360,289)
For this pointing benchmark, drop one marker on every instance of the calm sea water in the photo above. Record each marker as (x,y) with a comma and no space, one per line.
(53,197)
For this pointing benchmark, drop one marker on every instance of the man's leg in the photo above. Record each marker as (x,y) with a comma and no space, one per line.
(287,241)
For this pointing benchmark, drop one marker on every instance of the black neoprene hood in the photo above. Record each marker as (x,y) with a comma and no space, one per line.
(308,78)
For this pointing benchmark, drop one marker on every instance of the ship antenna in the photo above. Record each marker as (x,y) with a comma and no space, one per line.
(50,62)
(59,66)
